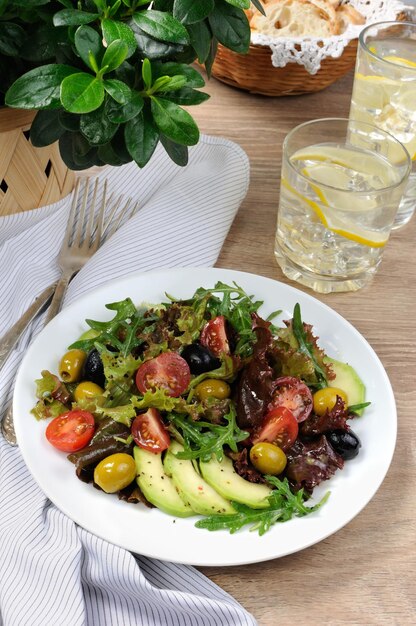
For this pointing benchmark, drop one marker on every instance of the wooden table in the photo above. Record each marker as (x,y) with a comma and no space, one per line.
(365,573)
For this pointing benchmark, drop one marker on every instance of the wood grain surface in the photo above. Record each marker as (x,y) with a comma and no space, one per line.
(365,574)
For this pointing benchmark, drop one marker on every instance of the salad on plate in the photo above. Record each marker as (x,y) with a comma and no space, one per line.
(202,407)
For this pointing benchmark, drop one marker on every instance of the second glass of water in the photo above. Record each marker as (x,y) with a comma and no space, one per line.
(341,186)
(384,92)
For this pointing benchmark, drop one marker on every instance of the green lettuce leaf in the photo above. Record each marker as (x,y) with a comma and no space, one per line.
(45,409)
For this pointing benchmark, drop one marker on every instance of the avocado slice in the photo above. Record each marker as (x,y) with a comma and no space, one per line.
(192,487)
(225,480)
(347,379)
(156,486)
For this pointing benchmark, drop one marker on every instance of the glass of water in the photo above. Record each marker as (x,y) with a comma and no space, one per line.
(341,185)
(384,92)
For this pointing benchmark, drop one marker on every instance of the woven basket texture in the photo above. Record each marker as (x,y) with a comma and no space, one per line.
(29,177)
(254,72)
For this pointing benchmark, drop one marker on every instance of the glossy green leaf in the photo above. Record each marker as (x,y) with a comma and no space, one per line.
(174,122)
(119,114)
(161,26)
(147,73)
(73,17)
(240,4)
(82,93)
(76,152)
(39,88)
(114,55)
(141,137)
(107,154)
(45,128)
(12,37)
(171,83)
(187,96)
(189,11)
(230,26)
(112,30)
(118,90)
(119,146)
(69,121)
(200,34)
(209,61)
(154,49)
(87,41)
(193,77)
(177,152)
(97,128)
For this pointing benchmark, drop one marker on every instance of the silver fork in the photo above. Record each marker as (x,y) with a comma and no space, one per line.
(82,238)
(80,242)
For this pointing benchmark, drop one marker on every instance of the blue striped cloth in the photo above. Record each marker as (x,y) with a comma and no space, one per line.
(53,572)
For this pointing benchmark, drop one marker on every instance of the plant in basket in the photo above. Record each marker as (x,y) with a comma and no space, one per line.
(109,78)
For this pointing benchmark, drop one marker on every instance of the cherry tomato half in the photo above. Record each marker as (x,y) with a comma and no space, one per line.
(293,394)
(279,427)
(149,431)
(214,336)
(168,371)
(71,431)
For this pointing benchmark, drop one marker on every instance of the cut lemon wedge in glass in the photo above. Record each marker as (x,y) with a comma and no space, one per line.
(348,158)
(400,61)
(353,232)
(372,91)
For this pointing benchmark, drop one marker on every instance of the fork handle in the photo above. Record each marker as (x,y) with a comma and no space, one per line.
(9,340)
(60,290)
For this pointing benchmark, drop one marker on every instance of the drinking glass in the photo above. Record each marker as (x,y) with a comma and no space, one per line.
(341,185)
(384,92)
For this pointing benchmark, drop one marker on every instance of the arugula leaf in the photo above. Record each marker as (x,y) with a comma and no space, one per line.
(237,306)
(284,505)
(306,346)
(121,332)
(354,408)
(203,439)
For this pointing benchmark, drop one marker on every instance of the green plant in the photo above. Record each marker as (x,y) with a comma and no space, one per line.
(109,77)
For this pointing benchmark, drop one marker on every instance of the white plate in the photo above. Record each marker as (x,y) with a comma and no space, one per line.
(153,533)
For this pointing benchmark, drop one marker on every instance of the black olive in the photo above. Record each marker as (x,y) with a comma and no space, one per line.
(344,442)
(93,368)
(199,359)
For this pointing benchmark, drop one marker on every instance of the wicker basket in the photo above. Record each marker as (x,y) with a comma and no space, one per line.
(254,71)
(29,177)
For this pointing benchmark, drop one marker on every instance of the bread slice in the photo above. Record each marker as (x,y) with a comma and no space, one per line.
(292,18)
(303,18)
(349,15)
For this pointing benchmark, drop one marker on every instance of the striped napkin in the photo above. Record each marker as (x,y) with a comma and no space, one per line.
(52,572)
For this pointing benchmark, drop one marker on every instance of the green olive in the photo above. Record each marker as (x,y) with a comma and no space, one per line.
(268,458)
(325,399)
(115,472)
(71,364)
(87,390)
(213,388)
(89,334)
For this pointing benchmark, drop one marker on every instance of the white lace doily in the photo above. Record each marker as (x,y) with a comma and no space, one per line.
(311,52)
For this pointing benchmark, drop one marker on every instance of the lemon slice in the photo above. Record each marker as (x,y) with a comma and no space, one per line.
(400,61)
(348,158)
(372,92)
(354,232)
